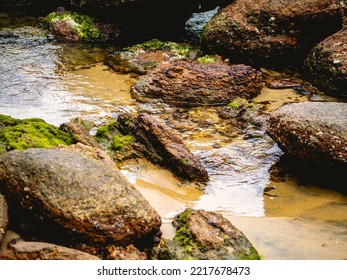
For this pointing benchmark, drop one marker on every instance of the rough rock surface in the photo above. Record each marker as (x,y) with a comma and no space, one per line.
(3,217)
(42,251)
(128,253)
(162,146)
(79,131)
(271,31)
(74,199)
(145,57)
(189,83)
(206,235)
(314,132)
(326,65)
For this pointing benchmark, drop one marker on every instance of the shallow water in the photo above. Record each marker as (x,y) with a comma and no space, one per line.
(56,82)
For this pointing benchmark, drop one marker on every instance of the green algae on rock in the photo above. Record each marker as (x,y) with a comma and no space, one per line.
(16,134)
(73,26)
(205,235)
(144,57)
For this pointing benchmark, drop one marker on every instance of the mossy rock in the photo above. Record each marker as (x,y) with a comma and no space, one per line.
(121,146)
(82,26)
(205,235)
(145,57)
(18,134)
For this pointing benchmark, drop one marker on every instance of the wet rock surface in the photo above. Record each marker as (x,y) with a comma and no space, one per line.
(208,236)
(3,217)
(314,132)
(66,198)
(271,31)
(160,145)
(189,83)
(23,250)
(326,65)
(128,253)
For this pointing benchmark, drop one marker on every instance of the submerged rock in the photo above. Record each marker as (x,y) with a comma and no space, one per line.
(270,31)
(42,251)
(313,132)
(66,198)
(205,235)
(190,83)
(326,65)
(154,140)
(3,217)
(16,134)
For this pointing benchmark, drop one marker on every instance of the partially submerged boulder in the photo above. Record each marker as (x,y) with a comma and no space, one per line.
(3,217)
(190,83)
(67,198)
(326,65)
(155,141)
(202,235)
(42,251)
(30,133)
(313,132)
(269,31)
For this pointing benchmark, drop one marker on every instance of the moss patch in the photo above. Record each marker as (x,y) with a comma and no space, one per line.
(120,142)
(155,45)
(83,25)
(18,134)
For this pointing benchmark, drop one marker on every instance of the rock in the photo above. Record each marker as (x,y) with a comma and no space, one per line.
(155,141)
(73,26)
(313,132)
(205,235)
(42,251)
(189,83)
(30,133)
(3,217)
(271,32)
(144,57)
(77,128)
(67,198)
(128,253)
(326,65)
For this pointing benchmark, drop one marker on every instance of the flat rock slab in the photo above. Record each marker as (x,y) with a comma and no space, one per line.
(42,251)
(74,199)
(314,132)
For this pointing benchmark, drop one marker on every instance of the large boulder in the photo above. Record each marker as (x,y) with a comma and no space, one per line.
(65,197)
(3,217)
(202,235)
(190,83)
(271,31)
(42,251)
(313,132)
(326,65)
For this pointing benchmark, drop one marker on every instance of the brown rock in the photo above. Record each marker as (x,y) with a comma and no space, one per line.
(78,130)
(128,253)
(326,65)
(3,217)
(67,198)
(269,31)
(313,132)
(190,83)
(162,146)
(63,29)
(42,251)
